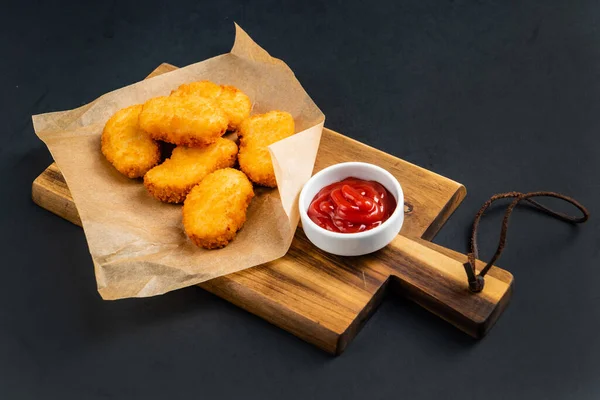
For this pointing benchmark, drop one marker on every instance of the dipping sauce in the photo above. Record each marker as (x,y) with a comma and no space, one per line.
(351,205)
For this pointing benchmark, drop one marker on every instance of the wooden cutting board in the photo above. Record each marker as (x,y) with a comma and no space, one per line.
(325,299)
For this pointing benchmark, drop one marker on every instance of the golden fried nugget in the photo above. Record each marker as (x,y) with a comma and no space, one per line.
(215,209)
(236,105)
(172,180)
(200,88)
(256,133)
(232,101)
(183,120)
(127,147)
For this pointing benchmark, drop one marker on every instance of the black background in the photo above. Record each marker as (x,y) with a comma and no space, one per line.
(498,95)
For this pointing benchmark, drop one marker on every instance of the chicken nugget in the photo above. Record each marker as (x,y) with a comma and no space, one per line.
(234,103)
(172,180)
(201,88)
(256,134)
(215,209)
(183,120)
(127,147)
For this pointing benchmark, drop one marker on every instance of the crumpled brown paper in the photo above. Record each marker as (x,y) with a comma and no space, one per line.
(137,243)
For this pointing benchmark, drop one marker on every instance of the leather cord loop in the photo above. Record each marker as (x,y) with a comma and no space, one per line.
(476,281)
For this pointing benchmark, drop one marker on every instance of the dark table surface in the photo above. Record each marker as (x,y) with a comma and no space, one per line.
(497,95)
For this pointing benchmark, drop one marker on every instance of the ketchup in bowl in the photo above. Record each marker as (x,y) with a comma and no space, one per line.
(351,205)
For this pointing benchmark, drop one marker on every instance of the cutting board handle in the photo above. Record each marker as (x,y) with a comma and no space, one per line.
(434,277)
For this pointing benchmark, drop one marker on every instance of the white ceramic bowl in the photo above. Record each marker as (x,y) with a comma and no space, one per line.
(352,244)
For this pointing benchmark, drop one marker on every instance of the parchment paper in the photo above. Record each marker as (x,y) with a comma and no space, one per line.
(137,243)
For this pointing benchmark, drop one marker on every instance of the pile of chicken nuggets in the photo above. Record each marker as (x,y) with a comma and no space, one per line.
(201,170)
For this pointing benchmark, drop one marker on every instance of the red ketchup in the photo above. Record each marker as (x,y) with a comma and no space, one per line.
(352,205)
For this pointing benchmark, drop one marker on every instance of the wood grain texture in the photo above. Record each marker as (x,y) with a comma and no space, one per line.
(325,299)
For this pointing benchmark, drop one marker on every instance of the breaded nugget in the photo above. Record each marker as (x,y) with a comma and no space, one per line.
(216,208)
(183,120)
(236,105)
(172,180)
(232,101)
(200,88)
(256,133)
(127,147)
